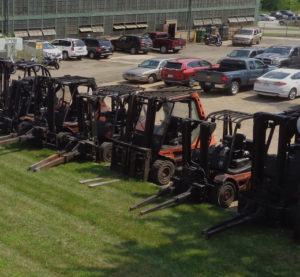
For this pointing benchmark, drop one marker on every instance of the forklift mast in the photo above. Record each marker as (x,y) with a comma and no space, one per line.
(274,196)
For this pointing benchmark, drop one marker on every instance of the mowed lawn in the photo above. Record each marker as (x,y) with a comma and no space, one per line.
(50,225)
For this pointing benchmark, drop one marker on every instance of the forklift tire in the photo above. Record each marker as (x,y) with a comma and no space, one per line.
(106,148)
(24,127)
(224,194)
(162,171)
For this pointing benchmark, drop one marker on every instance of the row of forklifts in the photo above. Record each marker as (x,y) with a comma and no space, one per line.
(163,136)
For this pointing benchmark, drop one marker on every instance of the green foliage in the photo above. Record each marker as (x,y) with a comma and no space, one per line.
(53,226)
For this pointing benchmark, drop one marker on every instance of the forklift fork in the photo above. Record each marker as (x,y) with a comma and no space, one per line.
(56,159)
(14,138)
(226,224)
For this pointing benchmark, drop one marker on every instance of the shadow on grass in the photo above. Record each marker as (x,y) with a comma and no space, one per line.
(249,251)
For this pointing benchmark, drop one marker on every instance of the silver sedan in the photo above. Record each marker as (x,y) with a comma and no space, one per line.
(149,71)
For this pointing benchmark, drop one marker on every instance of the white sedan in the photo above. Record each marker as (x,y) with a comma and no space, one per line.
(283,82)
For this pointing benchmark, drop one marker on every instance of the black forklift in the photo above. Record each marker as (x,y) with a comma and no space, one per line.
(274,195)
(18,98)
(151,145)
(211,173)
(7,68)
(101,117)
(54,110)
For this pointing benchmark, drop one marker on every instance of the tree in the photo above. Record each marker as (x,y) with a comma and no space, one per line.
(270,5)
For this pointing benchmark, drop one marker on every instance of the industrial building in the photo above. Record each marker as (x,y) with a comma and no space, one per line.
(78,18)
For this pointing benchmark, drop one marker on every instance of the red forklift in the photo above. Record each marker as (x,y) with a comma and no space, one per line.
(211,173)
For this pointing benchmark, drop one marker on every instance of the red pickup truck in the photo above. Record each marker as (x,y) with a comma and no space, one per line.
(162,41)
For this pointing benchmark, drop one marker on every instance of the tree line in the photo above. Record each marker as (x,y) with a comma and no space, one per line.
(274,5)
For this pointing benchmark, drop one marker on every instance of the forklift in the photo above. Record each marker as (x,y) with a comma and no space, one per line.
(18,98)
(151,145)
(274,195)
(54,110)
(211,173)
(101,117)
(7,68)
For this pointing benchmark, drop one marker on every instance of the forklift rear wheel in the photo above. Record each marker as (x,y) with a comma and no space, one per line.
(225,194)
(106,148)
(24,127)
(162,171)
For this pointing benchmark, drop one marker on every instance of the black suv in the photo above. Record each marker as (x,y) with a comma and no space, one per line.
(133,44)
(98,48)
(282,55)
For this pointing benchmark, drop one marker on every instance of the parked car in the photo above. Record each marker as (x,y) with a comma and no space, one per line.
(232,74)
(278,15)
(133,44)
(183,71)
(162,41)
(246,52)
(98,47)
(148,71)
(247,36)
(282,55)
(287,13)
(47,50)
(71,48)
(266,17)
(283,82)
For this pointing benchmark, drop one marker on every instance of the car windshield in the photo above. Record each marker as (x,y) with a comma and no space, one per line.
(276,75)
(79,43)
(173,65)
(244,32)
(239,54)
(149,64)
(279,50)
(48,46)
(105,43)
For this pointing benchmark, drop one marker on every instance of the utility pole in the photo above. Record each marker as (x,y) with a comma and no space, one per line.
(5,10)
(189,19)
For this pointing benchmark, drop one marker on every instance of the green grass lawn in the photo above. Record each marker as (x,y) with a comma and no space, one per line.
(53,226)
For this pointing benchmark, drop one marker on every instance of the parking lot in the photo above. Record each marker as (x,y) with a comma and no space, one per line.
(109,71)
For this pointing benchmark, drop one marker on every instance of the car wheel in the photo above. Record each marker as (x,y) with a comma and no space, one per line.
(224,194)
(258,41)
(163,49)
(168,83)
(152,79)
(162,171)
(133,51)
(145,52)
(234,88)
(79,58)
(92,55)
(175,51)
(251,42)
(292,95)
(65,55)
(205,88)
(190,82)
